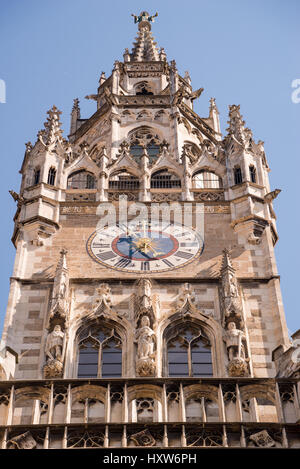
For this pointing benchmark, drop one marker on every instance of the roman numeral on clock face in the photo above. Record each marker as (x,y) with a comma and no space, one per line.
(145,265)
(100,245)
(122,263)
(168,263)
(184,255)
(104,256)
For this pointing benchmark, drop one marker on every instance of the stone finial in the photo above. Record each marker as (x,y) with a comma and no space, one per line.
(226,260)
(102,78)
(213,106)
(236,124)
(187,77)
(52,134)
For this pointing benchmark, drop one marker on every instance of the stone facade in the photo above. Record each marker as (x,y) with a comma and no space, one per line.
(146,142)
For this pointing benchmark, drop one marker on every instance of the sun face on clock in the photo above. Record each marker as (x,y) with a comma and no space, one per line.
(141,247)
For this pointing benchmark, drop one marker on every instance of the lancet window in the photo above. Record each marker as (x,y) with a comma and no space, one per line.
(189,352)
(100,353)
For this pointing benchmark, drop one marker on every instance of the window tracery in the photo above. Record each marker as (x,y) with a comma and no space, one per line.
(141,138)
(189,353)
(100,353)
(81,180)
(51,176)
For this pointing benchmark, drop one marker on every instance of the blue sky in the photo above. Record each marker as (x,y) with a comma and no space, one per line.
(241,52)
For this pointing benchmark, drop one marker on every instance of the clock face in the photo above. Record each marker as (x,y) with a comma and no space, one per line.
(141,247)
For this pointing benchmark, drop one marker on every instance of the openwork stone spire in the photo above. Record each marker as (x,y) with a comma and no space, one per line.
(236,123)
(144,49)
(52,132)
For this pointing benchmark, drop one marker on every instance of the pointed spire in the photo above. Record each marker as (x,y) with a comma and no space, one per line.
(236,123)
(75,115)
(102,78)
(52,132)
(212,106)
(62,263)
(144,48)
(226,261)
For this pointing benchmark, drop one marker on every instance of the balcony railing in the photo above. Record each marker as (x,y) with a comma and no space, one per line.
(142,411)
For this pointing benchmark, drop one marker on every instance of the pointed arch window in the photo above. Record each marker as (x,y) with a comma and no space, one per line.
(51,176)
(81,180)
(238,177)
(122,180)
(100,353)
(165,179)
(252,171)
(206,180)
(189,353)
(36,176)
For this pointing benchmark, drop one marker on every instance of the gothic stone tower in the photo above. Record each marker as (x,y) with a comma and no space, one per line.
(115,337)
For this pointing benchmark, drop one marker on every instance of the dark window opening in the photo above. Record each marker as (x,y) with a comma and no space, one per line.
(36,177)
(51,176)
(238,179)
(252,171)
(81,180)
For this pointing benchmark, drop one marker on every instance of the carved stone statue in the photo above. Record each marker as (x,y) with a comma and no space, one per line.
(234,339)
(55,350)
(55,343)
(234,342)
(145,338)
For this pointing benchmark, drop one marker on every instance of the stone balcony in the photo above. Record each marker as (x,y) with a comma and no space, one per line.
(167,412)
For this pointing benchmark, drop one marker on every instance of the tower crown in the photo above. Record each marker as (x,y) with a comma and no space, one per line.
(144,20)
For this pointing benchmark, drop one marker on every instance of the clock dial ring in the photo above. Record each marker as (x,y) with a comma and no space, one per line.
(146,255)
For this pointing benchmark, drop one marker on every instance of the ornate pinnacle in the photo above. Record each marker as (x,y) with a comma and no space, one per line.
(213,106)
(52,132)
(226,261)
(236,123)
(62,263)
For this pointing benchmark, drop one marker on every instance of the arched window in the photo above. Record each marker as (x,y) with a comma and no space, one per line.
(142,137)
(238,178)
(252,171)
(206,180)
(51,176)
(165,180)
(123,180)
(36,176)
(81,180)
(143,88)
(100,353)
(189,353)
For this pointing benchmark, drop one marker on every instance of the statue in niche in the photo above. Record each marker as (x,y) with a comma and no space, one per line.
(234,339)
(55,348)
(230,289)
(55,344)
(62,286)
(145,338)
